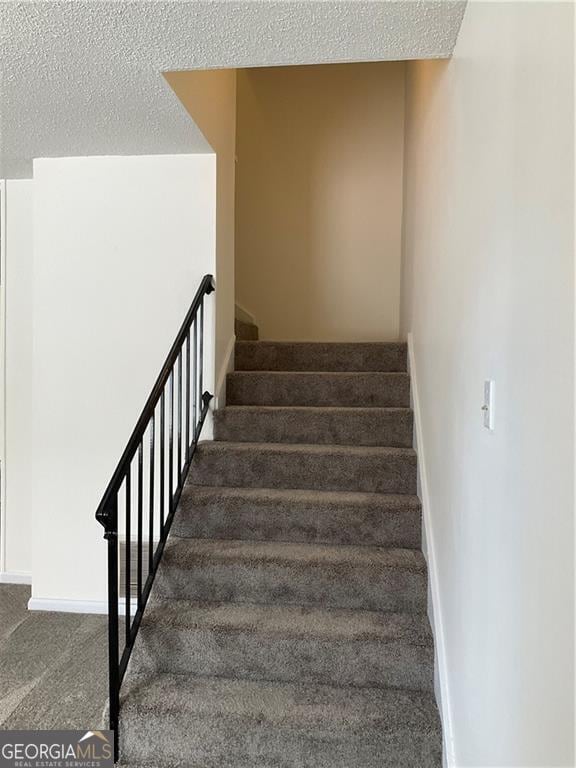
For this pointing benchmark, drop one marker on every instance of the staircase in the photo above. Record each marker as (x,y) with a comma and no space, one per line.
(287,626)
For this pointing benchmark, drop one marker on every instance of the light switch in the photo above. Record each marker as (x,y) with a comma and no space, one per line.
(488,406)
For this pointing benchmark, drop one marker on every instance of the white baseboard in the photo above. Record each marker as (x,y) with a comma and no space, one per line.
(15,577)
(226,367)
(75,606)
(435,606)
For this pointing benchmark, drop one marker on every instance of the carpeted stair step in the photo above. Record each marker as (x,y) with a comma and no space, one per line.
(180,721)
(294,515)
(340,390)
(245,331)
(319,356)
(362,578)
(287,644)
(328,426)
(318,467)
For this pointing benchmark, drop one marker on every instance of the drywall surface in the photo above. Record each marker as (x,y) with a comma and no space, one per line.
(18,478)
(210,98)
(83,78)
(120,247)
(488,293)
(319,200)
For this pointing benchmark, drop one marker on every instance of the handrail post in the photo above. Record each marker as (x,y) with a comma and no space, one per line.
(109,519)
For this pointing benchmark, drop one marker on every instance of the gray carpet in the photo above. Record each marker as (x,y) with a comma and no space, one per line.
(287,626)
(330,426)
(53,666)
(337,389)
(245,331)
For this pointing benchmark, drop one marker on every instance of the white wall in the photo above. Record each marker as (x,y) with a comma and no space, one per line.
(319,200)
(120,246)
(488,292)
(18,382)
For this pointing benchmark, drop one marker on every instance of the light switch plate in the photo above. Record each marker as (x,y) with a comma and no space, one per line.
(488,406)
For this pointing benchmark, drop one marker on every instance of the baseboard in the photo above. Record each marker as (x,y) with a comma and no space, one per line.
(225,368)
(15,577)
(75,606)
(435,606)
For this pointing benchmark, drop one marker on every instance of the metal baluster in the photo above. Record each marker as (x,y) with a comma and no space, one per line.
(187,454)
(171,444)
(195,379)
(111,536)
(140,492)
(162,468)
(151,499)
(201,357)
(179,416)
(128,563)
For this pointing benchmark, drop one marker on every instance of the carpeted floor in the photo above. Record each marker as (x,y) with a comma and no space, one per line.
(53,667)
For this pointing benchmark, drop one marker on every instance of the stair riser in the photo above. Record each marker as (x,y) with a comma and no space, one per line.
(351,427)
(270,356)
(199,742)
(319,390)
(370,473)
(253,656)
(245,331)
(276,583)
(297,522)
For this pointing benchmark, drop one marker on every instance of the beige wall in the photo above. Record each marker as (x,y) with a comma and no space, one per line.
(319,200)
(209,96)
(488,293)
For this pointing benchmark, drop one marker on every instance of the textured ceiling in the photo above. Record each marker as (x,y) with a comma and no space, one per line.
(84,78)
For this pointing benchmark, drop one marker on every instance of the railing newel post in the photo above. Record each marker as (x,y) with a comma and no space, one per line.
(109,519)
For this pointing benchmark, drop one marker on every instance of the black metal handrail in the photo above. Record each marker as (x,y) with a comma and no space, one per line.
(144,458)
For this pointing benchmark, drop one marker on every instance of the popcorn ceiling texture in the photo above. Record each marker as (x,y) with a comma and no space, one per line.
(84,78)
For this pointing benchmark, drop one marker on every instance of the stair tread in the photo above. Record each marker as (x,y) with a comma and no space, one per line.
(318,355)
(329,466)
(318,388)
(278,703)
(215,446)
(375,375)
(303,495)
(180,551)
(368,410)
(318,425)
(329,344)
(307,409)
(289,621)
(294,514)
